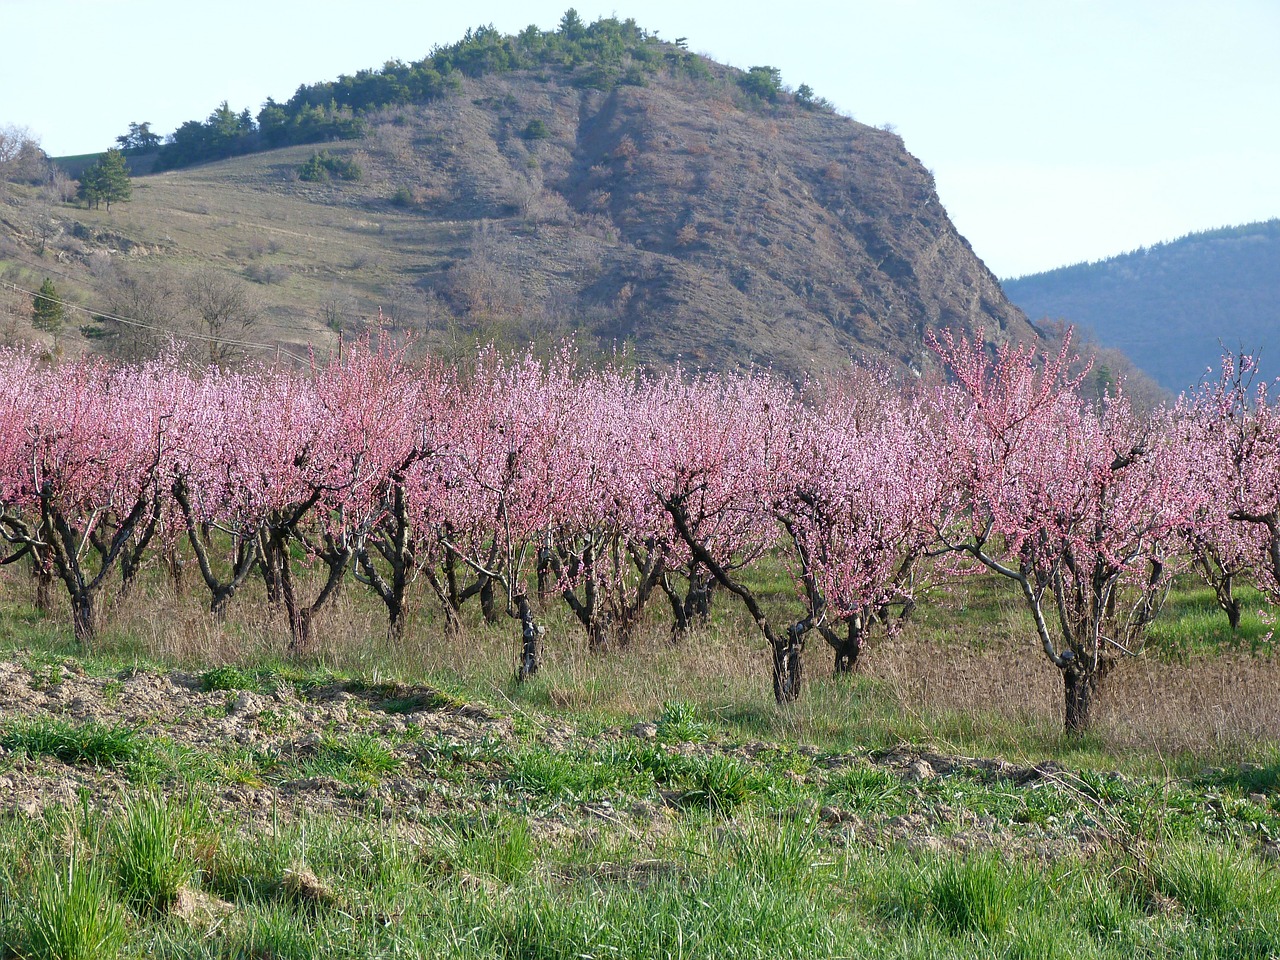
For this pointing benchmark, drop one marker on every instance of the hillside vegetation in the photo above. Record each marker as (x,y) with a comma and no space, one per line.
(1175,307)
(636,196)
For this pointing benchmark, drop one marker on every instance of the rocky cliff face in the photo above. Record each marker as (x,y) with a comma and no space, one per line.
(693,223)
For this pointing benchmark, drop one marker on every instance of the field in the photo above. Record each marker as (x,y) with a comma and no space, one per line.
(186,789)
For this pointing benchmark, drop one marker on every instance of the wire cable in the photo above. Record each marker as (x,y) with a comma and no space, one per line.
(201,337)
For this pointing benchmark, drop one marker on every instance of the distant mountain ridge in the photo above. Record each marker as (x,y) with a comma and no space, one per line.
(1174,307)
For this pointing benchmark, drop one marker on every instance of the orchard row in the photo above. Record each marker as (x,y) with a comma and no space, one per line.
(611,488)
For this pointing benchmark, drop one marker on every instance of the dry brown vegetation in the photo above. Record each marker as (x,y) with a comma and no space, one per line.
(682,218)
(965,675)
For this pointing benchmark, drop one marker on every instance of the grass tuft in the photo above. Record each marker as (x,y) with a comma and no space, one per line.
(504,850)
(718,783)
(971,895)
(93,742)
(1217,883)
(356,757)
(681,722)
(150,867)
(73,915)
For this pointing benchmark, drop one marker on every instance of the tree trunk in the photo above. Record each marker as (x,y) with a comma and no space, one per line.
(42,571)
(487,605)
(698,603)
(787,669)
(546,578)
(395,622)
(679,619)
(452,622)
(83,620)
(1228,601)
(1233,614)
(269,564)
(849,649)
(531,649)
(302,614)
(1079,686)
(221,596)
(173,565)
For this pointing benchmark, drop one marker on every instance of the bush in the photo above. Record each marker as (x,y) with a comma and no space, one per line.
(536,130)
(762,82)
(324,165)
(226,678)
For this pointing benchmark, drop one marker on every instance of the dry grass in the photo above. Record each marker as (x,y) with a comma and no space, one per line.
(965,675)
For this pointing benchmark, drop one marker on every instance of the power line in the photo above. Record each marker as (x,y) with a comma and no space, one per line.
(71,278)
(127,321)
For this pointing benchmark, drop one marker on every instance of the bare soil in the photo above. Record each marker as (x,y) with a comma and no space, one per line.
(173,709)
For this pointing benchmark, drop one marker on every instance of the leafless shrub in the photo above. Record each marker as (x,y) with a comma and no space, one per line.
(223,310)
(102,265)
(337,309)
(143,313)
(267,273)
(59,188)
(366,260)
(687,235)
(21,159)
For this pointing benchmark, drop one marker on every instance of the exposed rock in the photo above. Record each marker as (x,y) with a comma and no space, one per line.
(300,884)
(919,770)
(198,908)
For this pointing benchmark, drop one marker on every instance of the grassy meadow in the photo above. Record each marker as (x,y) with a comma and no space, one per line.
(187,789)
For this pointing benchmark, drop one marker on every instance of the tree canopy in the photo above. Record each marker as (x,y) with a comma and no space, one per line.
(46,308)
(600,55)
(106,181)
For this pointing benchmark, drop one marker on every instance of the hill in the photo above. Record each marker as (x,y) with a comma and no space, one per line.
(686,209)
(1172,308)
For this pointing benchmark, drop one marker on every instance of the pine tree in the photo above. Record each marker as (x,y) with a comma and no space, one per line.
(113,178)
(107,181)
(46,311)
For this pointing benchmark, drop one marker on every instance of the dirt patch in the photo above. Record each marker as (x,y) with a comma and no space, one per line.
(405,755)
(169,718)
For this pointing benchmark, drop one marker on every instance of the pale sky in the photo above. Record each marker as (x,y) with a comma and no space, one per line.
(1058,130)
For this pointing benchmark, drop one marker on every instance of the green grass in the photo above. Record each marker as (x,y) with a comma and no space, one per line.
(744,884)
(719,784)
(1217,883)
(107,745)
(352,758)
(150,862)
(227,678)
(559,833)
(1192,624)
(975,895)
(72,914)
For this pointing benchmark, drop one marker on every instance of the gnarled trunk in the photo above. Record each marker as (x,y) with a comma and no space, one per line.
(42,572)
(488,606)
(531,633)
(1080,682)
(849,648)
(788,667)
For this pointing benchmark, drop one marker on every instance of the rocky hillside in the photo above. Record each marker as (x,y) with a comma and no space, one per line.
(681,215)
(1172,308)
